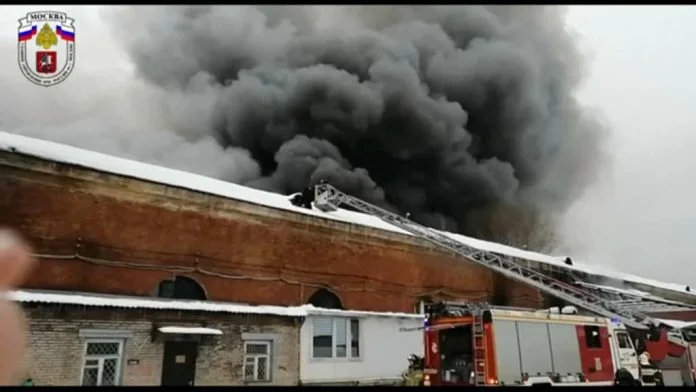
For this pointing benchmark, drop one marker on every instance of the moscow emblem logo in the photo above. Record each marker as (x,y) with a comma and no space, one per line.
(46,49)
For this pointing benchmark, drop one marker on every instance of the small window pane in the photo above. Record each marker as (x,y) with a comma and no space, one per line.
(255,348)
(624,340)
(322,339)
(89,378)
(341,338)
(592,337)
(323,326)
(109,372)
(91,362)
(102,348)
(249,370)
(263,368)
(355,338)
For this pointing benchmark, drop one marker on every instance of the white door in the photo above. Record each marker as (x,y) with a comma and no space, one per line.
(628,359)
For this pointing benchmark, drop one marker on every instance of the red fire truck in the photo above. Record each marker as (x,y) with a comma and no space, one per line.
(498,338)
(470,345)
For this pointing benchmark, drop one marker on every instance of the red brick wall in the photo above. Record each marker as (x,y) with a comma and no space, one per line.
(688,315)
(242,252)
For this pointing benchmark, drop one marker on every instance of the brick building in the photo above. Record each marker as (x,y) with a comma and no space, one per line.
(109,225)
(102,232)
(91,339)
(100,224)
(99,230)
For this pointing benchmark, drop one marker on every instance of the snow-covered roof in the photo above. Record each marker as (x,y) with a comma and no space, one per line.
(639,300)
(312,311)
(190,330)
(130,302)
(678,324)
(117,301)
(89,159)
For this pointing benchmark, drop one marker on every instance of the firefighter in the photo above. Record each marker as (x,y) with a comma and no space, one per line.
(644,359)
(304,199)
(414,375)
(308,197)
(650,374)
(296,200)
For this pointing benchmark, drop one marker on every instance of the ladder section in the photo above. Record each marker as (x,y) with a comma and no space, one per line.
(642,303)
(479,344)
(327,198)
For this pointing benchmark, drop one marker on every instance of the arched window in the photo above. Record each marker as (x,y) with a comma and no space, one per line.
(181,287)
(323,298)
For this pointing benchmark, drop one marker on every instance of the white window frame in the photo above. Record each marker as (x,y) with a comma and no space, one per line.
(628,340)
(349,340)
(255,357)
(101,358)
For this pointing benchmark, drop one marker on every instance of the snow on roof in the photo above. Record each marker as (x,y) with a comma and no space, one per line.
(190,330)
(91,299)
(130,302)
(312,311)
(677,324)
(89,159)
(107,163)
(616,290)
(638,294)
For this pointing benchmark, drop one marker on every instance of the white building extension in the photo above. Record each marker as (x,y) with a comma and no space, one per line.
(350,347)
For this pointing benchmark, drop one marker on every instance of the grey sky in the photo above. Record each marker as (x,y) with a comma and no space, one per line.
(642,217)
(639,218)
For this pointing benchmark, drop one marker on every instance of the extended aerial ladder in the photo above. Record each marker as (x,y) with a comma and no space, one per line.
(327,198)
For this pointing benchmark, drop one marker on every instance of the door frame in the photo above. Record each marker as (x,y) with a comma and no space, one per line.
(193,342)
(626,355)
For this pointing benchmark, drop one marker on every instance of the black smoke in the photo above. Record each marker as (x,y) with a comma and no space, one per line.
(433,110)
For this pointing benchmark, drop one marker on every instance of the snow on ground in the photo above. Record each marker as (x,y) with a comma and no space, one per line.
(67,154)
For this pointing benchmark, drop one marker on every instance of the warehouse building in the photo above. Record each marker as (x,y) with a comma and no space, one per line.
(109,225)
(98,227)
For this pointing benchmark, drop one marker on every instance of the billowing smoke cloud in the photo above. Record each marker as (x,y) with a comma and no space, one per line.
(429,110)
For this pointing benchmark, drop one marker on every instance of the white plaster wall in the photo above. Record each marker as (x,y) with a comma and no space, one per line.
(384,351)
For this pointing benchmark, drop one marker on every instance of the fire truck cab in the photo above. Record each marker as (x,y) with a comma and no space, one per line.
(512,346)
